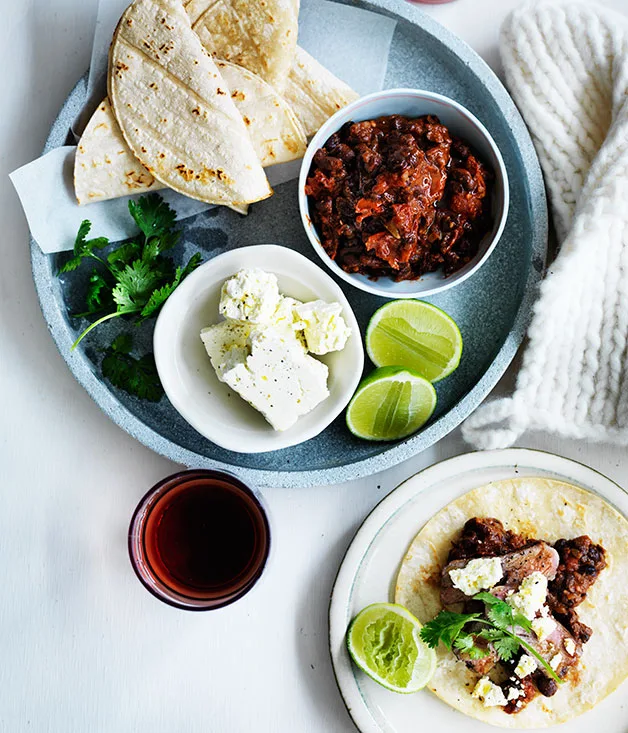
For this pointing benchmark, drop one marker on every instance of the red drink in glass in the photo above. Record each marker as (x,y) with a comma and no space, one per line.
(199,540)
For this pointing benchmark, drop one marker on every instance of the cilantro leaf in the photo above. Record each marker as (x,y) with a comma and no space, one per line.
(520,620)
(194,261)
(498,629)
(445,628)
(138,377)
(506,646)
(152,215)
(501,613)
(98,293)
(159,296)
(477,652)
(464,642)
(498,611)
(83,247)
(122,343)
(136,280)
(124,254)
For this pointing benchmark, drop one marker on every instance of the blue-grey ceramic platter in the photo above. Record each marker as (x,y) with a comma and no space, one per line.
(492,307)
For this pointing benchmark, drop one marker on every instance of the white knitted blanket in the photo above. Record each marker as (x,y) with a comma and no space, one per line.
(567,69)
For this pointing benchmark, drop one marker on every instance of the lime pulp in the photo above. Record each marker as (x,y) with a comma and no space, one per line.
(416,335)
(384,641)
(391,403)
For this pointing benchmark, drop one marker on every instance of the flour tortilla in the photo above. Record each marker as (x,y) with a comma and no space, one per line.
(546,510)
(314,93)
(259,35)
(105,167)
(175,111)
(275,132)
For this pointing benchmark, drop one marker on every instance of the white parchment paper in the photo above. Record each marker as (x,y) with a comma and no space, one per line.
(352,43)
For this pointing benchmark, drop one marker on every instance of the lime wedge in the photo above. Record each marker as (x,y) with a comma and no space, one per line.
(384,642)
(391,403)
(416,335)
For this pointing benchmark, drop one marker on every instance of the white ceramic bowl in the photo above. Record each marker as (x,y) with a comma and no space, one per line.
(462,124)
(188,377)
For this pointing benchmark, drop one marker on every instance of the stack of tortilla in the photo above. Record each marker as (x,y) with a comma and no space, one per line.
(202,96)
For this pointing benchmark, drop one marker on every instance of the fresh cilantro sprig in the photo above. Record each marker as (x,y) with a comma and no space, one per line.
(136,278)
(500,631)
(136,376)
(84,247)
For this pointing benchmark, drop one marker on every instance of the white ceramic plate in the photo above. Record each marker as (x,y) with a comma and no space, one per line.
(369,569)
(187,375)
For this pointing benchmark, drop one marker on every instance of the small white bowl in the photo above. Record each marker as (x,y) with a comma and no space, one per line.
(189,380)
(462,124)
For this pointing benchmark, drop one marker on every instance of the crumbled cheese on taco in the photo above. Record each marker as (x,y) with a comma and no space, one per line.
(526,666)
(489,693)
(570,646)
(479,574)
(543,626)
(530,597)
(555,661)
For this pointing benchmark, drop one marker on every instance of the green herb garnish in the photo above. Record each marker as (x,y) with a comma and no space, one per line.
(500,626)
(136,278)
(136,376)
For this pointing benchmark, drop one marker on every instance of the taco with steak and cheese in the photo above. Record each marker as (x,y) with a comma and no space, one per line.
(555,557)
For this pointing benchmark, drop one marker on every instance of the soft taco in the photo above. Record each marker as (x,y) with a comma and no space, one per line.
(554,553)
(175,111)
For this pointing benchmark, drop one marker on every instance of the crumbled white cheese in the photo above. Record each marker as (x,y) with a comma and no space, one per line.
(323,326)
(277,378)
(530,597)
(555,661)
(285,315)
(514,693)
(251,296)
(527,664)
(221,338)
(543,627)
(260,350)
(570,646)
(489,693)
(479,574)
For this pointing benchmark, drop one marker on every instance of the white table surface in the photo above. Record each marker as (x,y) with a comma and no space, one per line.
(83,647)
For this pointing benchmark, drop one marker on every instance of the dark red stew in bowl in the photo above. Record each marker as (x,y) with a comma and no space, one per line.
(399,197)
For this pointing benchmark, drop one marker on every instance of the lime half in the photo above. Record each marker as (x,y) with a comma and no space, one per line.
(384,641)
(416,335)
(391,403)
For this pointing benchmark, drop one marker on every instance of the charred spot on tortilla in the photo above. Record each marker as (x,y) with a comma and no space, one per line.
(181,81)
